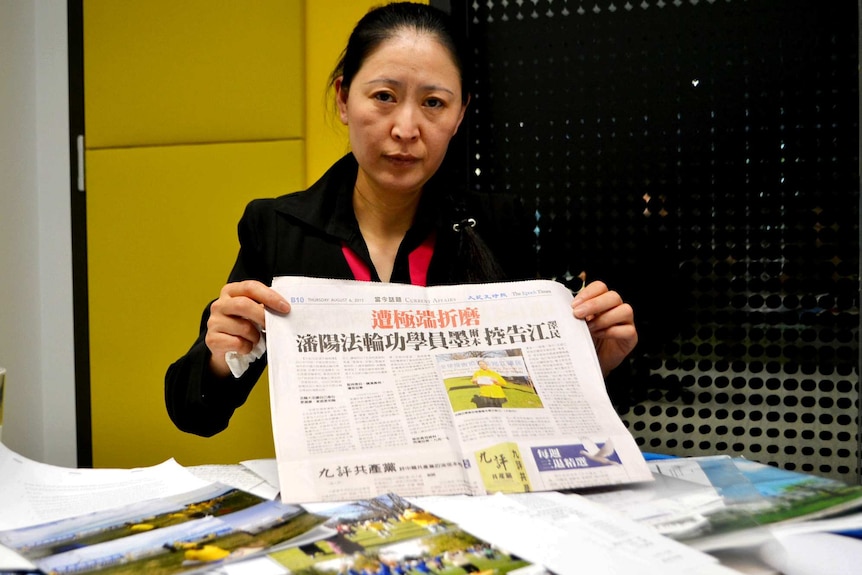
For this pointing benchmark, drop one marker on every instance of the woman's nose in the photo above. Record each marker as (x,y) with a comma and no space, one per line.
(406,126)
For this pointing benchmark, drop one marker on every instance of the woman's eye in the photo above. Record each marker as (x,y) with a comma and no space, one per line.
(383,97)
(434,103)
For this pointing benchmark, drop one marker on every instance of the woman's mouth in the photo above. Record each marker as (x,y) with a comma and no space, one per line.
(401,159)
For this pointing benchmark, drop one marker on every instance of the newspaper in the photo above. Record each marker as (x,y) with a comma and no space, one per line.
(473,389)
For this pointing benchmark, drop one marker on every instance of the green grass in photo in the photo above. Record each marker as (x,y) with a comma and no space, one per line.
(518,396)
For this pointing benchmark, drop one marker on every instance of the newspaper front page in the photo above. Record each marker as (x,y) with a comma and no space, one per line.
(473,389)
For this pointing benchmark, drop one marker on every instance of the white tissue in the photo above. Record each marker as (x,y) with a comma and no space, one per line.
(239,362)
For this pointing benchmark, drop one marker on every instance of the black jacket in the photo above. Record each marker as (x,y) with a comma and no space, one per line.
(302,234)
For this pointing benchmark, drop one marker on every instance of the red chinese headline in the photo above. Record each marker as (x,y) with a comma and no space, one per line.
(428,319)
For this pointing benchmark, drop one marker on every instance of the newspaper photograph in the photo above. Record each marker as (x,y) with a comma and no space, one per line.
(472,389)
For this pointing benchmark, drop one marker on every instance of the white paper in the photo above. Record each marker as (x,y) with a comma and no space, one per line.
(378,388)
(255,566)
(674,507)
(851,522)
(265,468)
(236,476)
(11,561)
(33,492)
(571,535)
(814,554)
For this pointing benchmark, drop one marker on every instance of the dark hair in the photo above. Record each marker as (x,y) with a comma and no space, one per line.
(474,262)
(384,22)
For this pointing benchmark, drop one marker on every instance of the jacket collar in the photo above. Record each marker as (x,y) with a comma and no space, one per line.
(328,204)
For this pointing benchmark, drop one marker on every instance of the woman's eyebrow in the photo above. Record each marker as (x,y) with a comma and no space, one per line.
(435,87)
(399,84)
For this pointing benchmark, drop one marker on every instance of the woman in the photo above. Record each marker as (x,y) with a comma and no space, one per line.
(384,212)
(491,386)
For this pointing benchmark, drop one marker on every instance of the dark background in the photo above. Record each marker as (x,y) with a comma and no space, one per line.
(702,158)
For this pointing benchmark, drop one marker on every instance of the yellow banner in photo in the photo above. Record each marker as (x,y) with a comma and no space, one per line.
(502,469)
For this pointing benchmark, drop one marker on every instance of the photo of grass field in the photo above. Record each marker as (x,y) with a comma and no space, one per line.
(498,379)
(164,536)
(388,535)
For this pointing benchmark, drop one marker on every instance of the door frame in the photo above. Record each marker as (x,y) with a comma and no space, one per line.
(80,300)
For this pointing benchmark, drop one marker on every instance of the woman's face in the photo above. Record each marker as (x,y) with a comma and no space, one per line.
(402,108)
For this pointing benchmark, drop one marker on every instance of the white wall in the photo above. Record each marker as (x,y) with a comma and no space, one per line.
(36,335)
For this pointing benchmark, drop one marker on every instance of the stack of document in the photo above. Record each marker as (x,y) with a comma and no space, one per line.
(192,520)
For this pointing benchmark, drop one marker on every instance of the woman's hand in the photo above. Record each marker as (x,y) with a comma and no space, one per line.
(611,323)
(236,319)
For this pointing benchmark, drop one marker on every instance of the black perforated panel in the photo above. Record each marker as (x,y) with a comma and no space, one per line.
(702,157)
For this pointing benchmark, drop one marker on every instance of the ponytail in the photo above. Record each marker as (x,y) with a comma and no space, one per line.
(474,261)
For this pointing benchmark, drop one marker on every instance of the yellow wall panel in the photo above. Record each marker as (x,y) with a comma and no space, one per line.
(244,82)
(192,71)
(162,239)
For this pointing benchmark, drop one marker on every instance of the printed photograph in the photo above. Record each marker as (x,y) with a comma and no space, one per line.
(388,535)
(489,379)
(163,536)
